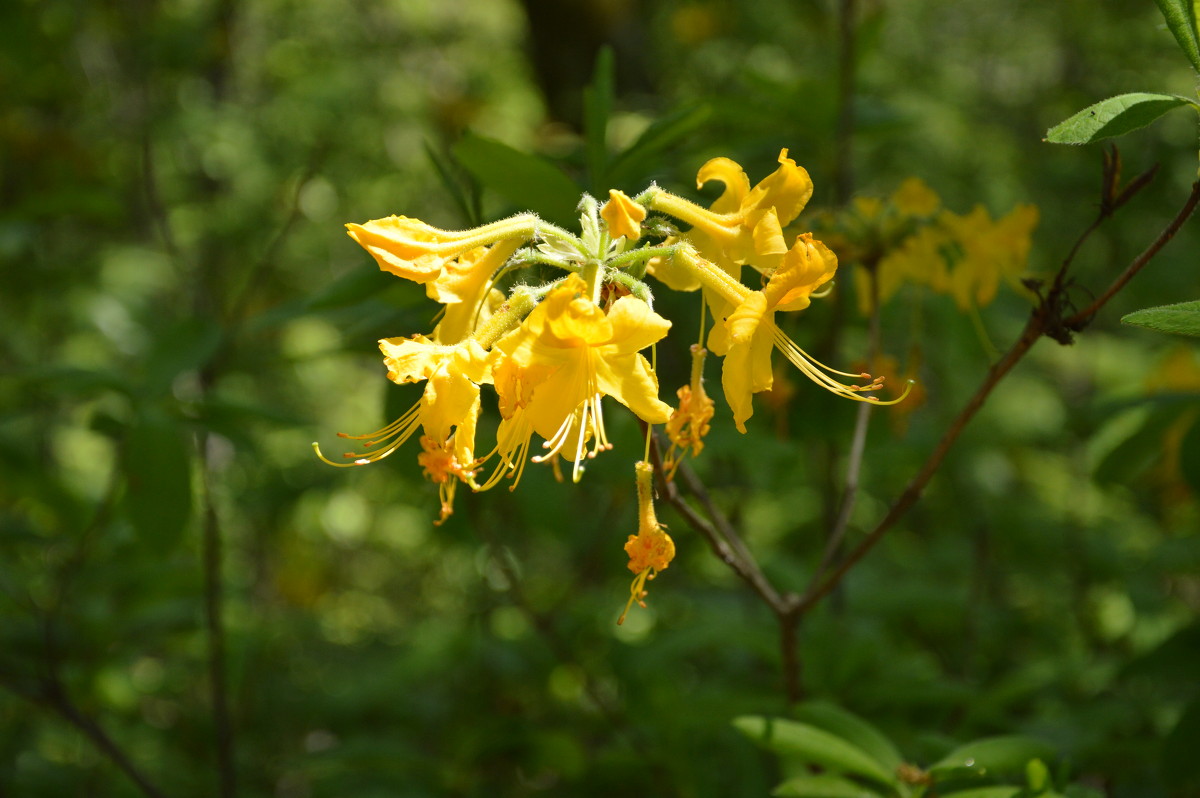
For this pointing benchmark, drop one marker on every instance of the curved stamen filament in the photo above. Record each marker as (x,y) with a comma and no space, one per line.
(391,438)
(515,445)
(819,373)
(637,592)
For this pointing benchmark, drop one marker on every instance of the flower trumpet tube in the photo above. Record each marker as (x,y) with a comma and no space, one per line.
(416,251)
(651,549)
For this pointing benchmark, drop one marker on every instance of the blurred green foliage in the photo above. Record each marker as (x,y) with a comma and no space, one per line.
(181,314)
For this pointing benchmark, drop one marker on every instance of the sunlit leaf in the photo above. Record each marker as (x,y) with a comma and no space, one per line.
(851,728)
(823,786)
(1115,116)
(997,791)
(1182,318)
(810,744)
(992,756)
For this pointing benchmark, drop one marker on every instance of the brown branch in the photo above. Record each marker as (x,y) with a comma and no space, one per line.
(1083,317)
(1046,319)
(727,544)
(1034,330)
(721,536)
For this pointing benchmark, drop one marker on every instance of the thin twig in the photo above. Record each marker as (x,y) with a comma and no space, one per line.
(729,550)
(858,445)
(1045,320)
(1081,318)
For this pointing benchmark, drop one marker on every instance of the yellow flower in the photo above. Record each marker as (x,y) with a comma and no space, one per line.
(688,425)
(749,332)
(623,215)
(551,372)
(416,251)
(464,286)
(991,251)
(743,225)
(920,259)
(914,198)
(447,411)
(651,549)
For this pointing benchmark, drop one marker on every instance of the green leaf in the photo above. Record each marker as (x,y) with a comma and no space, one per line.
(999,791)
(158,497)
(597,107)
(1115,116)
(1181,319)
(813,745)
(464,192)
(635,163)
(1181,19)
(823,786)
(992,756)
(851,728)
(529,182)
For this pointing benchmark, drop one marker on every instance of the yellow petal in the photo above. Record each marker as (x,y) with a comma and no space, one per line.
(623,215)
(787,190)
(807,266)
(737,185)
(634,325)
(406,247)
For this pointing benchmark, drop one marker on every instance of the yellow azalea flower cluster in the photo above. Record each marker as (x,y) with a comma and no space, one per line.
(550,353)
(911,238)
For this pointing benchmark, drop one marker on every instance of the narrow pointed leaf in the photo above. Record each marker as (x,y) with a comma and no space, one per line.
(1181,319)
(597,107)
(1115,116)
(851,728)
(823,786)
(527,181)
(813,745)
(1004,791)
(1181,19)
(630,168)
(992,756)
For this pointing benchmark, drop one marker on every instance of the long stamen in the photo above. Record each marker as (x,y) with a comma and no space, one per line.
(515,446)
(637,593)
(816,371)
(391,437)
